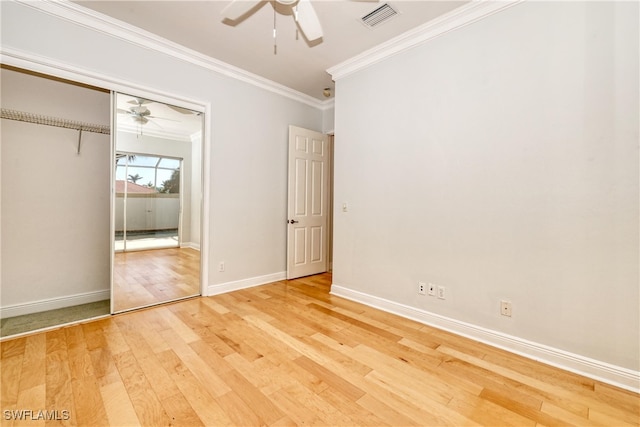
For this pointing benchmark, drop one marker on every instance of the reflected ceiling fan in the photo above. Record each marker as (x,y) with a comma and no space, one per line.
(141,114)
(303,13)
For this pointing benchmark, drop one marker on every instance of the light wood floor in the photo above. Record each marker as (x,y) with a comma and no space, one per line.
(143,278)
(288,353)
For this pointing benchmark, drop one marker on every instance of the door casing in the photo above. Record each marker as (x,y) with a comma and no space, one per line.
(308,202)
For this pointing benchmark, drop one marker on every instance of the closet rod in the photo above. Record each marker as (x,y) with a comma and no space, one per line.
(54,121)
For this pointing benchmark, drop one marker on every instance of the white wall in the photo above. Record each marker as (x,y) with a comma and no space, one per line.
(328,119)
(248,126)
(501,161)
(55,203)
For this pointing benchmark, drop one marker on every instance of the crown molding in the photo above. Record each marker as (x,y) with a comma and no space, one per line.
(95,21)
(457,18)
(328,104)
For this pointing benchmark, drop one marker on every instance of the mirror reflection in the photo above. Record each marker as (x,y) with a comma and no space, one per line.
(157,203)
(147,216)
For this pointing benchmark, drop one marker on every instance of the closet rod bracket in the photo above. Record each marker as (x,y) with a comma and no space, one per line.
(79,140)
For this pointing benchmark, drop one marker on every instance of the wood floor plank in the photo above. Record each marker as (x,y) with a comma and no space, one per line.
(187,334)
(200,397)
(34,362)
(237,409)
(349,390)
(160,381)
(589,400)
(180,411)
(296,410)
(115,341)
(364,326)
(198,367)
(147,406)
(32,399)
(12,347)
(605,419)
(491,381)
(131,330)
(384,412)
(58,389)
(284,354)
(93,335)
(252,396)
(119,408)
(614,396)
(89,406)
(10,380)
(263,373)
(488,413)
(355,414)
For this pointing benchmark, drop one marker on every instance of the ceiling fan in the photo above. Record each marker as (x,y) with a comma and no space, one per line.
(303,13)
(141,114)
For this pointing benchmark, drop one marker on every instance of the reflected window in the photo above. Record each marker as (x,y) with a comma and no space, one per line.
(160,174)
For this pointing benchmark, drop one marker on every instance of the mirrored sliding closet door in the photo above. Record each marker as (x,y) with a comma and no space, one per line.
(157,202)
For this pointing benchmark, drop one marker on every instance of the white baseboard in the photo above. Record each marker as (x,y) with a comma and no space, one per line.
(191,245)
(595,369)
(53,303)
(245,283)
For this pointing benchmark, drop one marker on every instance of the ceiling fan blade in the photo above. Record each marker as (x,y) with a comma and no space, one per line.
(162,118)
(139,101)
(237,8)
(180,109)
(139,119)
(308,20)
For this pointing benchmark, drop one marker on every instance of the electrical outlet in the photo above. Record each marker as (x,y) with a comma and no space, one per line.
(505,308)
(441,293)
(431,290)
(422,288)
(221,266)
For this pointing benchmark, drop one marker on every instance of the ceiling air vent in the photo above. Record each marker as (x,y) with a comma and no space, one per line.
(378,16)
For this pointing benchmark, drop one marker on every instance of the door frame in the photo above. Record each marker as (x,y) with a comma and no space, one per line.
(330,204)
(204,195)
(117,84)
(328,188)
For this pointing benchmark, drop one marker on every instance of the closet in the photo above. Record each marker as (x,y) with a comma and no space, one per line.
(101,202)
(55,197)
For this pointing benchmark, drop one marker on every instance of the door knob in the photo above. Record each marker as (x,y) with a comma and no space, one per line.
(292,221)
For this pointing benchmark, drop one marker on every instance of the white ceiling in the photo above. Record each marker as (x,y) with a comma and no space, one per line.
(248,44)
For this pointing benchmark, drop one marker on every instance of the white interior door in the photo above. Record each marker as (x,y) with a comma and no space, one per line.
(308,202)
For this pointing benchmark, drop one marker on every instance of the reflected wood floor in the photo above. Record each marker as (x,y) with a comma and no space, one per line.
(288,353)
(143,278)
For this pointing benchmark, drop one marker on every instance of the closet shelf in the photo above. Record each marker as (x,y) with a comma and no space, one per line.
(54,121)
